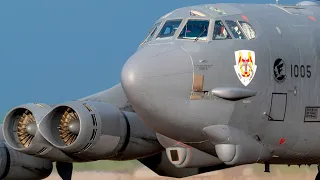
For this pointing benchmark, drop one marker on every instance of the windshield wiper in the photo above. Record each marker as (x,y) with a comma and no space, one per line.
(200,35)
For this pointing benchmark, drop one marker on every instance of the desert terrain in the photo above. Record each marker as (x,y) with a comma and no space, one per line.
(250,172)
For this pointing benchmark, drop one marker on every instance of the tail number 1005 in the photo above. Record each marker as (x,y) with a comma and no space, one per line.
(301,71)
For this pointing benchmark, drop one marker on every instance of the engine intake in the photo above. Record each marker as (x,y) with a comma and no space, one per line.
(20,131)
(96,130)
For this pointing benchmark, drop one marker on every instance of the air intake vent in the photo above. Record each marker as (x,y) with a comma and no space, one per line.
(94,120)
(94,133)
(42,150)
(86,147)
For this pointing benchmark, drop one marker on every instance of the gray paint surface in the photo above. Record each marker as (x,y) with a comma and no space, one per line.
(272,119)
(160,95)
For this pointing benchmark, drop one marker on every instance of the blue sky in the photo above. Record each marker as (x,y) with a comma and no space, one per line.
(56,51)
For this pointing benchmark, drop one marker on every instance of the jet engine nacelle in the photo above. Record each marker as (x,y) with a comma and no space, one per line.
(234,147)
(15,165)
(184,156)
(95,130)
(20,131)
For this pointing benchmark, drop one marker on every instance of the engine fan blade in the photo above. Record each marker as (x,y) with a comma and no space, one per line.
(69,126)
(64,170)
(26,128)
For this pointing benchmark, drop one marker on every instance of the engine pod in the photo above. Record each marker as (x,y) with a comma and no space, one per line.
(20,125)
(16,165)
(76,127)
(20,131)
(92,130)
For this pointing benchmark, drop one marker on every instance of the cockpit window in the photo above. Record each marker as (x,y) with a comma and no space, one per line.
(235,29)
(220,32)
(248,29)
(195,29)
(169,28)
(152,32)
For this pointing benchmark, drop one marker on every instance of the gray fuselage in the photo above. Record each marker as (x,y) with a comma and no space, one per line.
(160,79)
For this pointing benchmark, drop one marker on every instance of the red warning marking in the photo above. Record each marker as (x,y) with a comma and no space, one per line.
(282,140)
(244,18)
(312,18)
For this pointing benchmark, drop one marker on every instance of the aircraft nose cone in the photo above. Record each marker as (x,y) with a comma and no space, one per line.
(129,72)
(156,72)
(154,62)
(150,62)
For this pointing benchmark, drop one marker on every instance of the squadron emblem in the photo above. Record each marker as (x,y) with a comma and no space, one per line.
(245,66)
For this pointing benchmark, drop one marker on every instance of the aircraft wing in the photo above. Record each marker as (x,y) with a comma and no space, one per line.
(114,95)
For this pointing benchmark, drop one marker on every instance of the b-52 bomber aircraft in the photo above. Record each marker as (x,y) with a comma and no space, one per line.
(211,87)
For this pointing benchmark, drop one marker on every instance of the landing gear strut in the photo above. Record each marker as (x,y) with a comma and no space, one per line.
(64,170)
(318,174)
(267,167)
